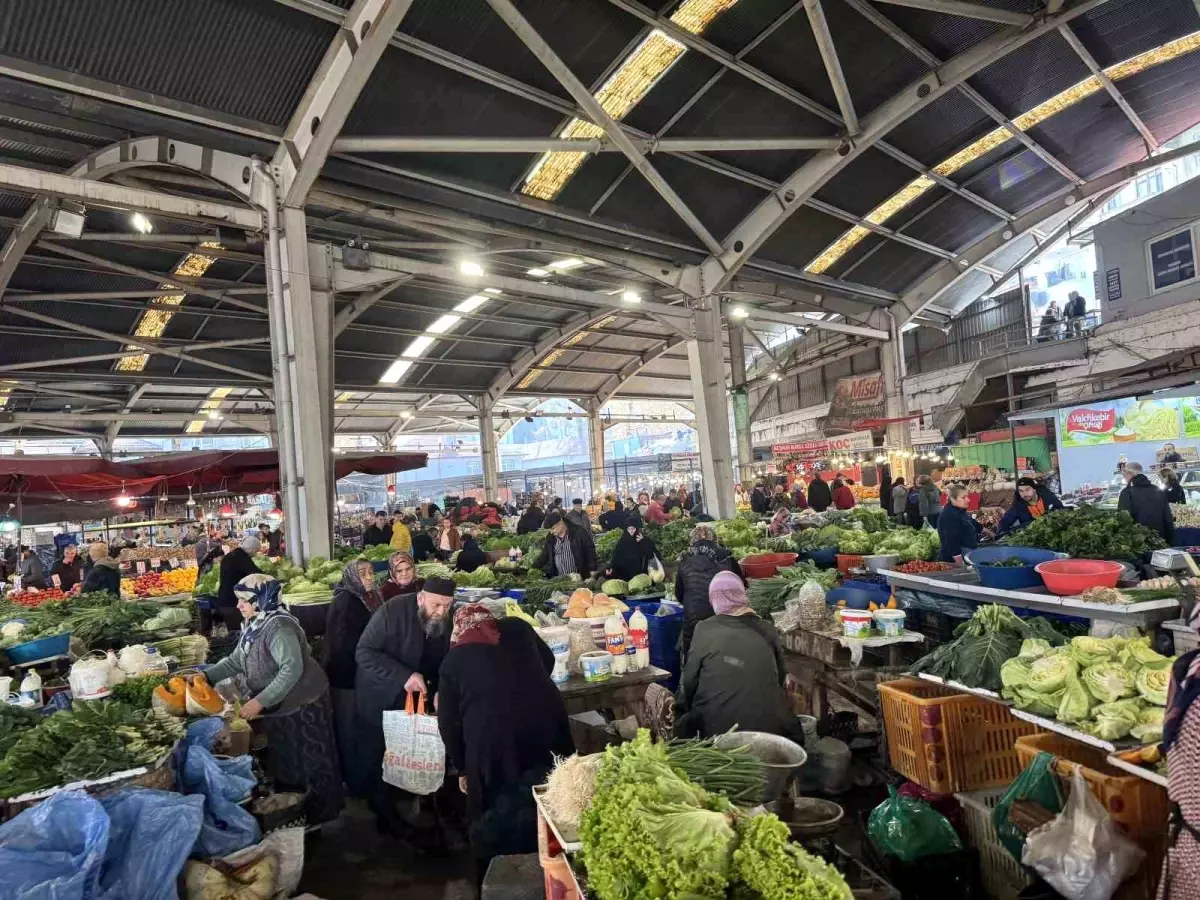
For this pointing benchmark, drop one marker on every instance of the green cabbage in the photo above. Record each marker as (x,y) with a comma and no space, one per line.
(639,584)
(1149,728)
(1109,681)
(1138,652)
(1076,704)
(1034,648)
(1014,672)
(1029,700)
(1087,651)
(1050,672)
(1152,685)
(1113,721)
(615,586)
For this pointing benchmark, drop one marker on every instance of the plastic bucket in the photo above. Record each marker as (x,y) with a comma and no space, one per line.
(856,623)
(834,758)
(595,665)
(890,622)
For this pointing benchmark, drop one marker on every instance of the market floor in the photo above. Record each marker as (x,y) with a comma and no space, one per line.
(350,860)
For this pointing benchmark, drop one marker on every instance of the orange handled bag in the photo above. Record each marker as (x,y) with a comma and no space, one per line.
(415,758)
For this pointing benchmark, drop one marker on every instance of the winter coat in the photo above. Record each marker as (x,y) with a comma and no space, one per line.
(885,493)
(470,557)
(733,677)
(104,575)
(759,501)
(499,713)
(613,519)
(344,624)
(583,548)
(1175,493)
(632,557)
(1018,515)
(843,497)
(899,500)
(929,499)
(1148,506)
(373,535)
(819,495)
(958,533)
(69,574)
(401,538)
(698,565)
(235,565)
(531,520)
(423,549)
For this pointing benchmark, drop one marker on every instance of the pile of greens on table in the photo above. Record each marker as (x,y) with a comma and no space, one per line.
(89,741)
(907,543)
(768,595)
(671,539)
(1088,533)
(90,618)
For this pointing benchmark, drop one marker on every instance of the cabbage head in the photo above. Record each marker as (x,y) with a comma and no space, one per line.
(1014,673)
(1031,701)
(1076,704)
(1149,728)
(1109,681)
(1113,721)
(1152,685)
(1033,648)
(1050,672)
(1087,651)
(1138,652)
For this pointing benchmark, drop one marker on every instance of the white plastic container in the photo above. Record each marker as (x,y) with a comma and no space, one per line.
(596,665)
(856,623)
(558,638)
(890,622)
(31,690)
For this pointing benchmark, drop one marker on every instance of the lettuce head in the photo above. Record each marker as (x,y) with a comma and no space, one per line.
(1014,673)
(1149,728)
(1034,648)
(1138,652)
(1152,684)
(1109,681)
(1076,704)
(1087,651)
(1113,721)
(1029,700)
(1050,672)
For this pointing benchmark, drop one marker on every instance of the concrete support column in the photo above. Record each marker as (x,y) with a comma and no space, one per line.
(595,444)
(308,329)
(707,364)
(740,397)
(488,451)
(898,434)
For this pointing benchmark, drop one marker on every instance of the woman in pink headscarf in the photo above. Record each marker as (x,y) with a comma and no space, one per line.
(734,671)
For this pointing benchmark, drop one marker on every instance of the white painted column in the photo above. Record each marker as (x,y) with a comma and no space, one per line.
(596,445)
(707,364)
(488,451)
(740,397)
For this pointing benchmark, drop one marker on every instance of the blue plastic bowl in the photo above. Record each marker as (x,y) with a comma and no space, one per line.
(855,598)
(1009,578)
(826,557)
(42,648)
(517,594)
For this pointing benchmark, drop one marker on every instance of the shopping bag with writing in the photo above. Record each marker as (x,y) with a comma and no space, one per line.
(414,759)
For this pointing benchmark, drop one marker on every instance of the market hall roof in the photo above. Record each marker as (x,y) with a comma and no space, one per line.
(808,142)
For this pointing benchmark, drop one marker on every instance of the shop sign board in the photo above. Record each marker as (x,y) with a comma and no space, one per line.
(1121,421)
(822,447)
(856,399)
(1172,260)
(1113,278)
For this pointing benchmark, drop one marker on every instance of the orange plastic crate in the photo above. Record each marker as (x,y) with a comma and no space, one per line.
(848,561)
(560,883)
(946,740)
(1140,807)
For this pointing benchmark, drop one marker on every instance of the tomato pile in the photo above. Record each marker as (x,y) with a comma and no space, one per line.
(34,597)
(921,567)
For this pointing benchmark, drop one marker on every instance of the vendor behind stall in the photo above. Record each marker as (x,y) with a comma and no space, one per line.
(290,693)
(69,569)
(105,573)
(632,554)
(957,530)
(1031,501)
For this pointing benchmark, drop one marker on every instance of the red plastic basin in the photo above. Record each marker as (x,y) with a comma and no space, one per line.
(767,565)
(1068,577)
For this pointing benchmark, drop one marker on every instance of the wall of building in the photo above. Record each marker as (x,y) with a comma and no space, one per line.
(1122,242)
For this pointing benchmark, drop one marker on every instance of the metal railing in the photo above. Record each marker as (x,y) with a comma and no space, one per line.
(1017,336)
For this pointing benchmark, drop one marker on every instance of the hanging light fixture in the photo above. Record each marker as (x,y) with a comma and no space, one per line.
(191,501)
(123,499)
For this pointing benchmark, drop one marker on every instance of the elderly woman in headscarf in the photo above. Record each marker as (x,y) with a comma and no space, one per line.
(632,554)
(781,524)
(290,694)
(502,720)
(354,602)
(733,677)
(402,577)
(697,567)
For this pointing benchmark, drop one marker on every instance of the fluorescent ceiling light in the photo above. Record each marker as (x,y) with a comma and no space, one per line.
(631,297)
(418,346)
(444,324)
(406,414)
(492,291)
(395,371)
(471,304)
(537,272)
(564,265)
(470,267)
(140,223)
(739,312)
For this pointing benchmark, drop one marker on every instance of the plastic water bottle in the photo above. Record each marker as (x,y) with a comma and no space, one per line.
(614,638)
(639,635)
(31,689)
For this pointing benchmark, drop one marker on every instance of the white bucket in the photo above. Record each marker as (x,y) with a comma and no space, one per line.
(596,665)
(5,688)
(890,622)
(856,623)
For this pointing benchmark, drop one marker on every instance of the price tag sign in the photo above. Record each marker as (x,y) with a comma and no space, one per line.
(57,581)
(141,567)
(155,563)
(174,562)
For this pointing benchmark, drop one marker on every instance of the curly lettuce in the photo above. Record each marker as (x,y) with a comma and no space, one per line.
(1076,704)
(1033,648)
(1088,651)
(1049,673)
(774,868)
(1112,721)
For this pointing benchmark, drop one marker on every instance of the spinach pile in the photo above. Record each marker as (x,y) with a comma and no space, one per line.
(1088,533)
(671,539)
(983,644)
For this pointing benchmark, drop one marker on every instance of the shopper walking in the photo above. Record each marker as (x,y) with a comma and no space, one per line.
(885,489)
(578,515)
(899,499)
(531,520)
(402,575)
(1146,503)
(734,672)
(656,513)
(820,498)
(759,501)
(401,534)
(632,555)
(698,565)
(929,500)
(1031,500)
(503,722)
(354,601)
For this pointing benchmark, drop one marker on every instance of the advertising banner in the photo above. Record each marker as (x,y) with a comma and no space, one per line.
(855,400)
(822,447)
(1122,421)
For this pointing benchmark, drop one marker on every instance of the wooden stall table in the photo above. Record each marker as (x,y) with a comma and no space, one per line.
(617,697)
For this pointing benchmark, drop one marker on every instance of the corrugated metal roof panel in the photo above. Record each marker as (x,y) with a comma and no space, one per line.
(954,224)
(1019,181)
(1166,97)
(675,88)
(893,266)
(1018,82)
(869,180)
(247,59)
(801,237)
(1091,137)
(1121,29)
(944,35)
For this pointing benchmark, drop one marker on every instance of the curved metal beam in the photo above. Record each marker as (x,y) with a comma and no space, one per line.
(519,367)
(228,169)
(634,368)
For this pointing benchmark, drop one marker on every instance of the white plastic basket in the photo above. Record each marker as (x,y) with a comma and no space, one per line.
(1003,877)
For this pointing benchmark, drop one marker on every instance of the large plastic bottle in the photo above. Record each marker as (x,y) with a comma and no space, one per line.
(639,633)
(614,639)
(31,689)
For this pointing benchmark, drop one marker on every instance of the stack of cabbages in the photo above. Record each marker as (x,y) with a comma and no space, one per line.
(1110,688)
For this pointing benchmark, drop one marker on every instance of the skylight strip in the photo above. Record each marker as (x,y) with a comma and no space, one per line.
(997,138)
(444,324)
(213,402)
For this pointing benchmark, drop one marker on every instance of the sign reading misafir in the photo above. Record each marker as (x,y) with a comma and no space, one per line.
(820,447)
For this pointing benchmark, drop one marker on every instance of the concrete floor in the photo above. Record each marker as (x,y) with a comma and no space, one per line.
(350,860)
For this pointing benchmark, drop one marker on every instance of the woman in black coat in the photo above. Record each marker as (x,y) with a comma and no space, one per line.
(503,721)
(819,495)
(235,565)
(354,602)
(632,554)
(470,557)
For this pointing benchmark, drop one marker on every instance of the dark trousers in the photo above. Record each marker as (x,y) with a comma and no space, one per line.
(932,519)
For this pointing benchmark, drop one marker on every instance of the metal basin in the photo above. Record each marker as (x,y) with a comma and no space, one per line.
(780,758)
(808,817)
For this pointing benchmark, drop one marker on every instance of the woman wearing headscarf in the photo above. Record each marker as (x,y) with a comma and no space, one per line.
(698,564)
(470,557)
(290,693)
(781,523)
(733,676)
(632,554)
(1181,744)
(503,721)
(354,602)
(402,577)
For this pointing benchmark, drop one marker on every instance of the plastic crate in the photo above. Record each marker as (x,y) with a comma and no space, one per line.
(1003,876)
(848,561)
(560,883)
(1140,807)
(946,740)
